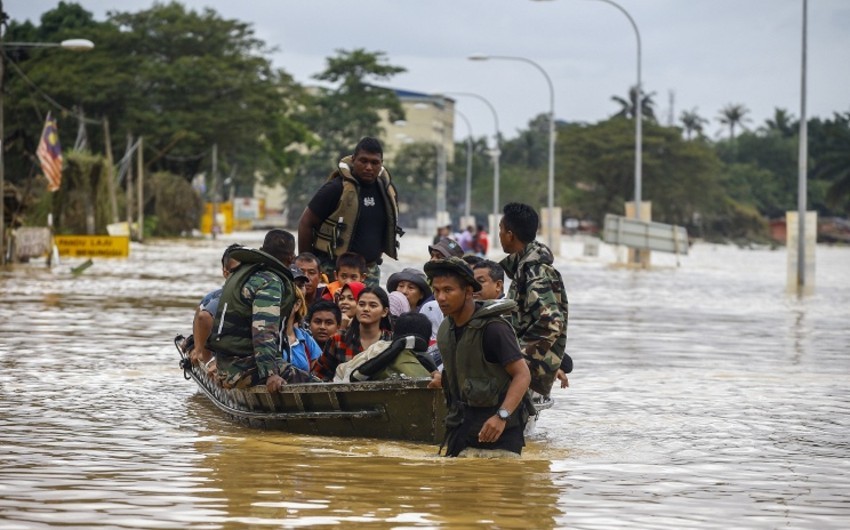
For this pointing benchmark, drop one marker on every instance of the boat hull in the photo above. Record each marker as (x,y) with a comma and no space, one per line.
(400,409)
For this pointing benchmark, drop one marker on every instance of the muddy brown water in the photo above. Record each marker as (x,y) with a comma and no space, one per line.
(703,397)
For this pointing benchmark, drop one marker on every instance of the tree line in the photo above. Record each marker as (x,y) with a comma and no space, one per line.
(188,80)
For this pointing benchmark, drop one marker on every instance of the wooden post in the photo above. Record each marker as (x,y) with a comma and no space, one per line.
(140,180)
(110,170)
(129,183)
(214,229)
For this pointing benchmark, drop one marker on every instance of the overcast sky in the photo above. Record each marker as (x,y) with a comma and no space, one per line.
(704,54)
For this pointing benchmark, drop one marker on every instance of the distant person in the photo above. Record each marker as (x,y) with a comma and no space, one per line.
(491,276)
(310,265)
(246,337)
(323,318)
(540,318)
(350,267)
(355,210)
(445,247)
(464,239)
(480,241)
(442,232)
(485,376)
(371,324)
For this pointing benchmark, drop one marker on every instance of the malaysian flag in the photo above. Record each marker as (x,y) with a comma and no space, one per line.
(50,154)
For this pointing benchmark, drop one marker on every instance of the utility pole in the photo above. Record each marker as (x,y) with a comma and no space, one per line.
(214,226)
(110,170)
(129,183)
(140,180)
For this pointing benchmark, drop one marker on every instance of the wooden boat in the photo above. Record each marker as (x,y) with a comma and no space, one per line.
(399,409)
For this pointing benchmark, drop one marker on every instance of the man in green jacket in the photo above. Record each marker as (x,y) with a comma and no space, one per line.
(540,316)
(485,377)
(255,300)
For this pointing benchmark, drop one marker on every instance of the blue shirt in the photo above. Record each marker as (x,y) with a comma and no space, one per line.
(298,352)
(210,302)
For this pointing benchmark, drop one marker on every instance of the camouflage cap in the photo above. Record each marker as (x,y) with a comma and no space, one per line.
(454,265)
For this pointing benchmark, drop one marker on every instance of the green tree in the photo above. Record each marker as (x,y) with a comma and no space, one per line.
(732,116)
(201,80)
(481,196)
(524,163)
(183,79)
(531,146)
(830,149)
(761,170)
(680,178)
(628,106)
(782,123)
(415,175)
(692,123)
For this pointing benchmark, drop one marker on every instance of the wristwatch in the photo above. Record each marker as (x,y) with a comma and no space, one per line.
(503,414)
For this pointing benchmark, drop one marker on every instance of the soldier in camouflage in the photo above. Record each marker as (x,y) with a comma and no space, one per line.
(246,333)
(540,317)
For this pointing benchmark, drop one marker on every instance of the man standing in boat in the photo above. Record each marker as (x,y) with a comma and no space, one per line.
(256,298)
(485,377)
(356,210)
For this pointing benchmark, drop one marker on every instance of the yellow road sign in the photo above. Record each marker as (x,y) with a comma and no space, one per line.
(93,246)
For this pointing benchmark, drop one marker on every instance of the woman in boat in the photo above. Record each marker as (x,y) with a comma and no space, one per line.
(412,284)
(347,302)
(370,324)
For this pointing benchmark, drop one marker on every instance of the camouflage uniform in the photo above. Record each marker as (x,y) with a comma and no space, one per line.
(264,291)
(373,275)
(540,318)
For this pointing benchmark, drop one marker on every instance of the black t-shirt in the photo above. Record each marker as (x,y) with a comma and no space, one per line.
(500,344)
(368,237)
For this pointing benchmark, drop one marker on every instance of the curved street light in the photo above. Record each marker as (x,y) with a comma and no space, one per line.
(467,201)
(70,44)
(496,153)
(638,108)
(551,179)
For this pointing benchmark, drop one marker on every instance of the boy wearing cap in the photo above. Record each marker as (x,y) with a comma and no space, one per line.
(446,247)
(485,377)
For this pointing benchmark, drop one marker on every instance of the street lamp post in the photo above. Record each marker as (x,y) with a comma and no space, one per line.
(468,199)
(638,111)
(71,44)
(638,115)
(551,179)
(496,153)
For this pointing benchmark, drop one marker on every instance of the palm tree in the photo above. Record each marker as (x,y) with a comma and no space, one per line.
(733,115)
(782,122)
(692,122)
(834,164)
(627,110)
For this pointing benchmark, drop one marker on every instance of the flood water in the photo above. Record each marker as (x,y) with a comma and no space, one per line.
(703,396)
